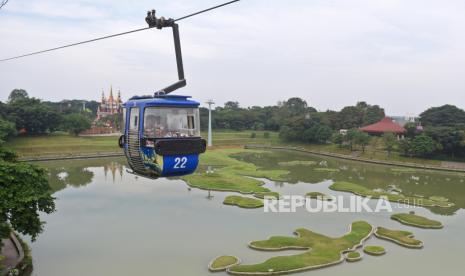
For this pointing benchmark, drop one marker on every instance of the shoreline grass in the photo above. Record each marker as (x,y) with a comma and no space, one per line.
(321,251)
(417,221)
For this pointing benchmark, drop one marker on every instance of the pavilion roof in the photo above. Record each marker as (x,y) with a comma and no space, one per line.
(383,126)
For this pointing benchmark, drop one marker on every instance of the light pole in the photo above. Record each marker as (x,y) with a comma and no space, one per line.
(210,103)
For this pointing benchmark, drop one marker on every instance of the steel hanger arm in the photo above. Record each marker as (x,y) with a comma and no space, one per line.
(160,23)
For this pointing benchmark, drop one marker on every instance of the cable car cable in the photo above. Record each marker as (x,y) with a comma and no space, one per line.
(114,35)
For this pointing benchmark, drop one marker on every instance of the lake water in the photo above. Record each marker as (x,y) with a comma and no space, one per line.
(109,222)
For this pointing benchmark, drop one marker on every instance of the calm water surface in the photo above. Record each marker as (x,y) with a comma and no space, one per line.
(109,222)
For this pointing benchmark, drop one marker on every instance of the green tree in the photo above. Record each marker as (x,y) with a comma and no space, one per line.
(422,145)
(362,139)
(295,106)
(373,114)
(24,192)
(389,140)
(446,115)
(76,123)
(32,115)
(7,129)
(350,117)
(337,139)
(351,137)
(450,139)
(17,94)
(405,146)
(231,105)
(411,129)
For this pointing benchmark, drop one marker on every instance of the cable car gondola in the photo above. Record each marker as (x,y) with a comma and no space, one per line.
(162,132)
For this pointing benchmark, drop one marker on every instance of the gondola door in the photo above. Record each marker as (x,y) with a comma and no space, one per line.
(133,140)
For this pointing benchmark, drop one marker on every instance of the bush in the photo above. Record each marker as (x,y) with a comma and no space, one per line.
(266,135)
(253,135)
(7,129)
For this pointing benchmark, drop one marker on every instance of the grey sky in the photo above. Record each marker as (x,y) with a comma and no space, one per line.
(402,55)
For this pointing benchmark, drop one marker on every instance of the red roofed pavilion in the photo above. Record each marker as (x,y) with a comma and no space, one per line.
(384,126)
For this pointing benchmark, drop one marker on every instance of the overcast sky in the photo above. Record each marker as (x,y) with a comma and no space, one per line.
(405,55)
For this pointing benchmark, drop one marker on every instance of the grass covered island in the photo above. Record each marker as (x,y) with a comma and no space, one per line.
(222,263)
(353,256)
(262,195)
(231,174)
(318,195)
(399,198)
(374,250)
(321,251)
(326,170)
(297,163)
(243,202)
(403,238)
(417,221)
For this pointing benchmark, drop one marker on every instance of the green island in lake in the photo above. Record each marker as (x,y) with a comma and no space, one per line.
(222,263)
(374,250)
(399,198)
(404,238)
(353,256)
(318,195)
(231,174)
(243,202)
(297,163)
(320,251)
(417,221)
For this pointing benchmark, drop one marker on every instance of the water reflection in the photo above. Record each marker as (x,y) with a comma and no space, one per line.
(77,173)
(410,182)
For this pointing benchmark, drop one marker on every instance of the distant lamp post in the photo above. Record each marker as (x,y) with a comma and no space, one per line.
(210,103)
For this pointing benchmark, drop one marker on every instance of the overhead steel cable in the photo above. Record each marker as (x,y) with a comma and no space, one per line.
(113,35)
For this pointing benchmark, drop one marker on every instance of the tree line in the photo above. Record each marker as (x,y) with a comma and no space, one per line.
(22,114)
(443,131)
(438,131)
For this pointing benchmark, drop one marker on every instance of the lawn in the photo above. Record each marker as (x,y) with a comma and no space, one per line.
(417,221)
(320,251)
(62,144)
(59,144)
(240,138)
